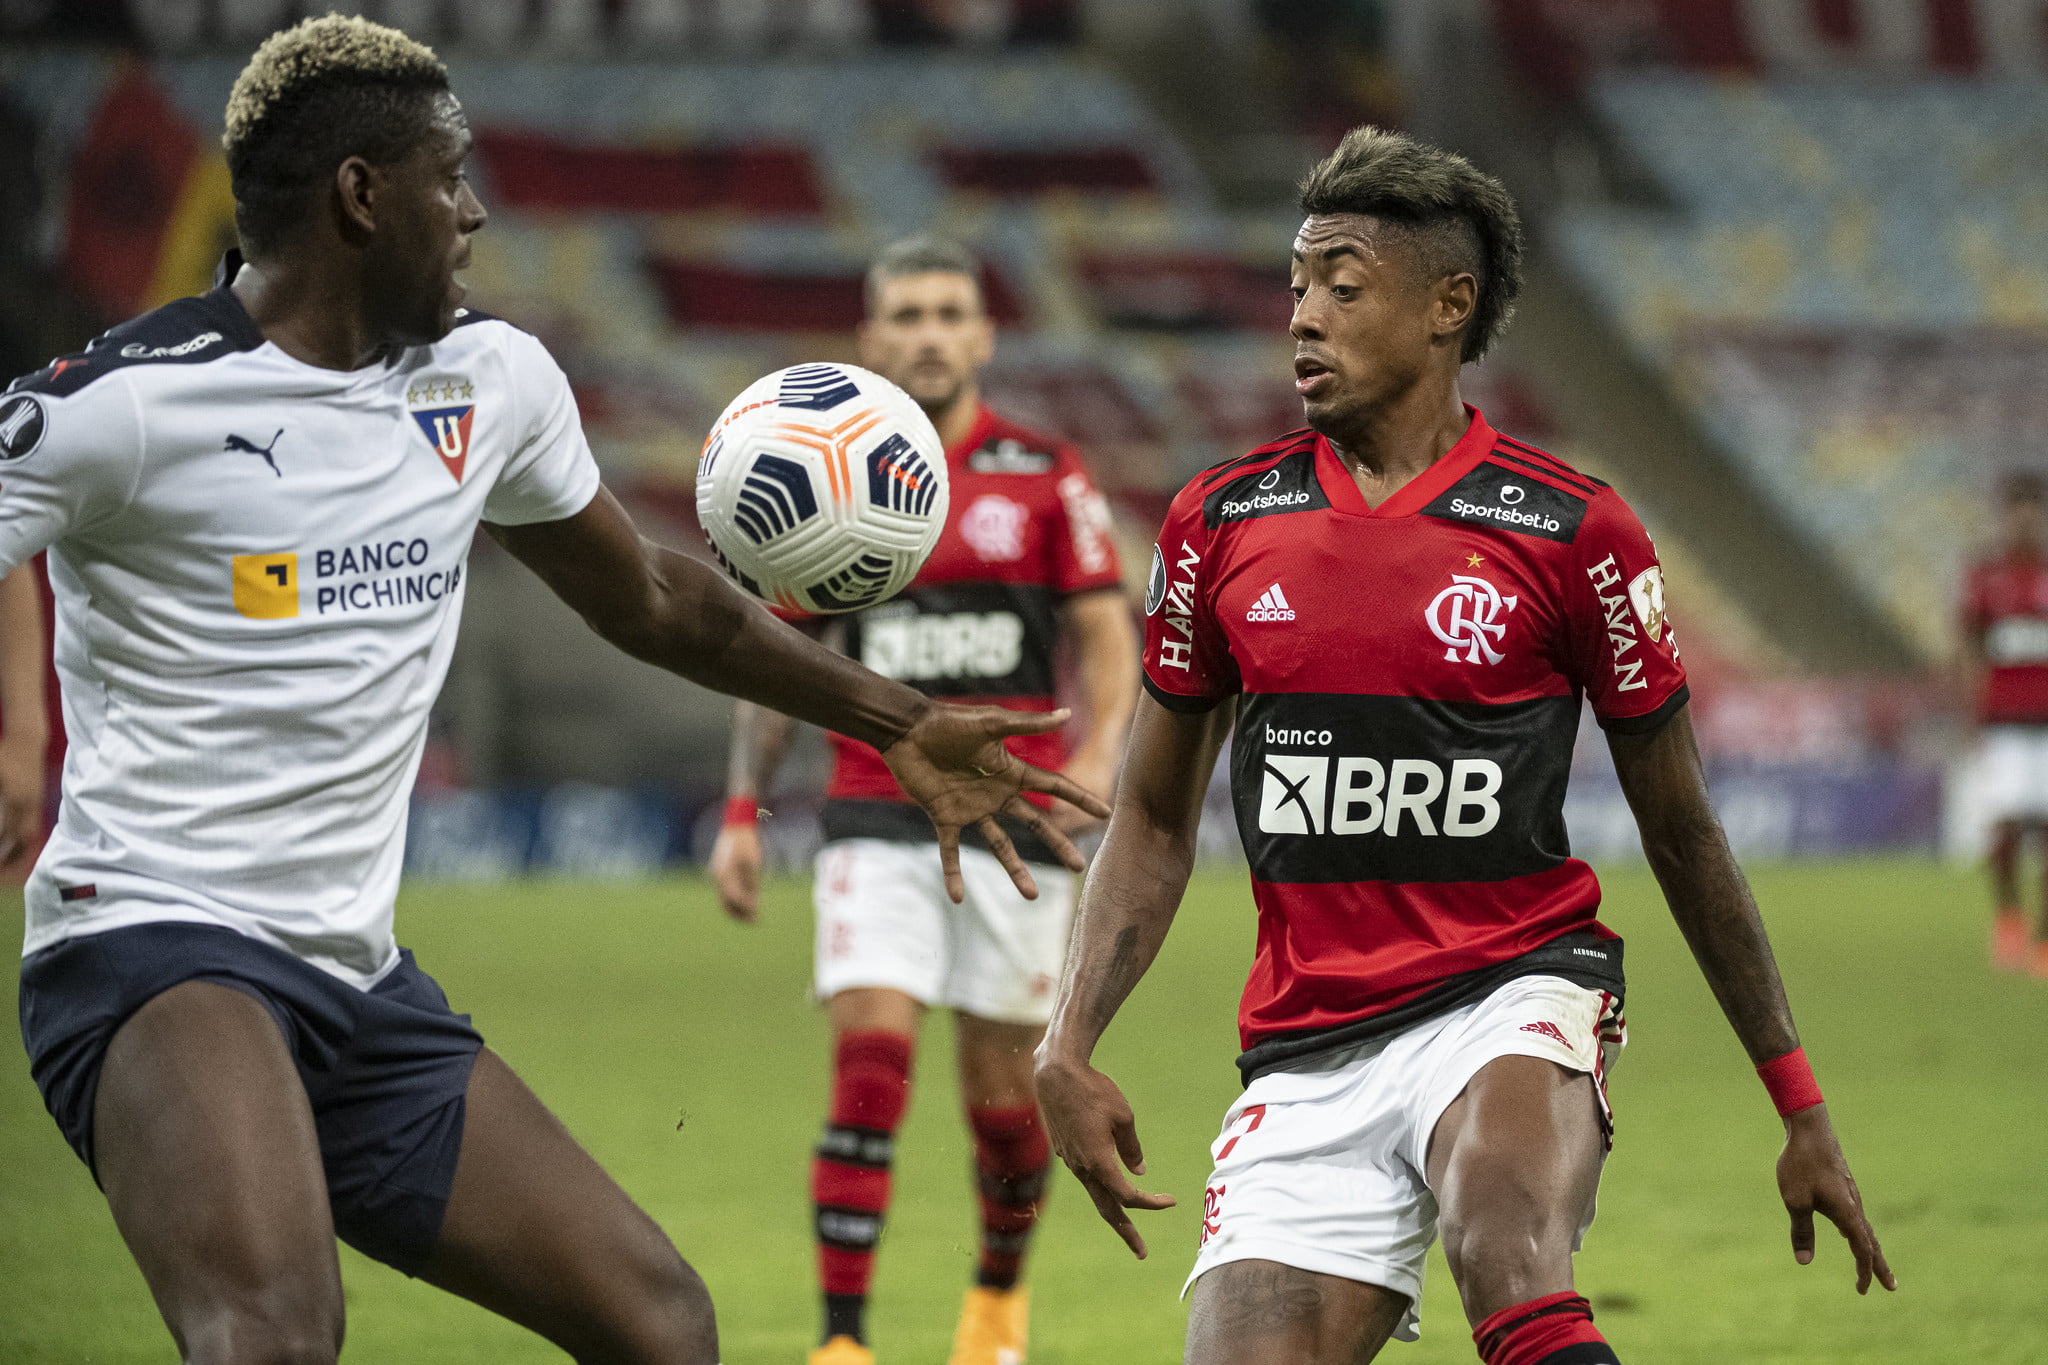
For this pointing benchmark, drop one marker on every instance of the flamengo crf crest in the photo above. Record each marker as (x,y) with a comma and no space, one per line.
(1468,616)
(447,429)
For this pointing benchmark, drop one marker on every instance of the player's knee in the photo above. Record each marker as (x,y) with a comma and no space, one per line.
(670,1317)
(267,1330)
(1507,1245)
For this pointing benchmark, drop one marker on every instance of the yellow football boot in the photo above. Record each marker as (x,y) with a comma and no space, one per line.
(993,1324)
(842,1351)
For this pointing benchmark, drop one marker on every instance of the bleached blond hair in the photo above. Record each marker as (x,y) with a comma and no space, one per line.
(315,94)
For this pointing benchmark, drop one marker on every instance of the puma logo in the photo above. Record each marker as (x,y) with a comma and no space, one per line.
(239,443)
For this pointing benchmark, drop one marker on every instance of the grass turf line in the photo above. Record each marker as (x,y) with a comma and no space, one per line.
(683,1051)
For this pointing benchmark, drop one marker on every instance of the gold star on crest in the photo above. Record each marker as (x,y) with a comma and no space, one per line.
(1473,561)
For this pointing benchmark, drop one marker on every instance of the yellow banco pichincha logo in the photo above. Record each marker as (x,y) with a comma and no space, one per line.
(267,586)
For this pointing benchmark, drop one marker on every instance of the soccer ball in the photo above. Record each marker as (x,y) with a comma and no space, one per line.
(822,488)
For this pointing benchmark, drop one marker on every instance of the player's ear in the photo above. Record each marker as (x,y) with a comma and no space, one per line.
(1456,296)
(357,185)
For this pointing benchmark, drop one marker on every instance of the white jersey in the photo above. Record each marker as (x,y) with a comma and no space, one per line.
(258,569)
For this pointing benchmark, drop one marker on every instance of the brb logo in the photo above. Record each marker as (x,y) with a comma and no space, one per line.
(961,644)
(1467,616)
(1371,797)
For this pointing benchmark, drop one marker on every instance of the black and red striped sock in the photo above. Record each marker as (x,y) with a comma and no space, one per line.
(1011,1159)
(850,1174)
(1556,1329)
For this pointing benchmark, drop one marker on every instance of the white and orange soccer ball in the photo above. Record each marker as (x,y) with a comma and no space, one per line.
(822,488)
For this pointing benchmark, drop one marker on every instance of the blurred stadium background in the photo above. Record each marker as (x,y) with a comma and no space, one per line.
(1789,291)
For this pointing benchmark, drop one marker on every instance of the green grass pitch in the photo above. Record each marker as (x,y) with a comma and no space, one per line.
(683,1051)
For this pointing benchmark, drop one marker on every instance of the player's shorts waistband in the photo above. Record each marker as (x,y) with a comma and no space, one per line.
(1581,957)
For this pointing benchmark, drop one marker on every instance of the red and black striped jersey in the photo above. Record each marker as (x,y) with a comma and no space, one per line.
(2005,611)
(1408,681)
(1026,529)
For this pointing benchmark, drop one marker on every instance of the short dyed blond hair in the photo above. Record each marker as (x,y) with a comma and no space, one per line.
(314,95)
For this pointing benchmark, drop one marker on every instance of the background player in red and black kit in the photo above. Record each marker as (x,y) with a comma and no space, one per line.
(1401,609)
(2005,644)
(1025,564)
(24,726)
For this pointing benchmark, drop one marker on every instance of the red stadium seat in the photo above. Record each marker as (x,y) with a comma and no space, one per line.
(1186,291)
(1080,403)
(531,170)
(737,298)
(1006,171)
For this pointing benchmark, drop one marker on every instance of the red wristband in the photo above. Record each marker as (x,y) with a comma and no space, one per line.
(1791,1083)
(741,810)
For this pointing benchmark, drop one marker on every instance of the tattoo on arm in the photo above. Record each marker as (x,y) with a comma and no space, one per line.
(1708,895)
(1120,978)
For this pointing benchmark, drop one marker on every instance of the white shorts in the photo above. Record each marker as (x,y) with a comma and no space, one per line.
(1321,1167)
(2012,772)
(884,919)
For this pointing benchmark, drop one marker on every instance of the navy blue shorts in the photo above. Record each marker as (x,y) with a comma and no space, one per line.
(386,1069)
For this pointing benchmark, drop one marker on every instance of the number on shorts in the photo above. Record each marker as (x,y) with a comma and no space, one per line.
(1257,1115)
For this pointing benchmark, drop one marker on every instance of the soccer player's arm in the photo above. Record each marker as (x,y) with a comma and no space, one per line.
(551,512)
(760,741)
(24,729)
(1132,892)
(70,458)
(1628,663)
(1096,617)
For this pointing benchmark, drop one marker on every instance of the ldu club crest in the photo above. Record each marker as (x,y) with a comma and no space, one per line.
(446,428)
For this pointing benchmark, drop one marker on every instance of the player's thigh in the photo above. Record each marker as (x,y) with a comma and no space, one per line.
(881,919)
(874,1009)
(996,1062)
(1265,1313)
(1515,1163)
(205,1145)
(536,1232)
(1007,949)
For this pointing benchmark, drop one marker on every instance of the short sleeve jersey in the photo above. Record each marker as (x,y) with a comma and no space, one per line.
(1408,681)
(258,570)
(2005,609)
(1025,529)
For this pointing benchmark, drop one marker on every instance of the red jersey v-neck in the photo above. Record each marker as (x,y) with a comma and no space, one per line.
(1411,497)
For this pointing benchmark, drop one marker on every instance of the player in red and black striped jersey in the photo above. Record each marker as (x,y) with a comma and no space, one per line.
(2005,645)
(1396,613)
(1025,564)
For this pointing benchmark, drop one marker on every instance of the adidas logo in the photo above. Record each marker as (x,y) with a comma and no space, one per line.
(1271,606)
(1550,1030)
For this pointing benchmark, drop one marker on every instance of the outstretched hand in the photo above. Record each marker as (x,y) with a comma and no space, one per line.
(952,762)
(1093,1130)
(1814,1176)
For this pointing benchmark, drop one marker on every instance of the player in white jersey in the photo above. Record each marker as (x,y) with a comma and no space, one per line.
(258,505)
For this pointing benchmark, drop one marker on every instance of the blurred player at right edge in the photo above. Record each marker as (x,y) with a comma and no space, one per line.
(2005,643)
(1401,610)
(1025,562)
